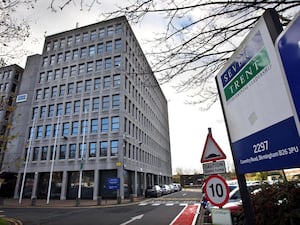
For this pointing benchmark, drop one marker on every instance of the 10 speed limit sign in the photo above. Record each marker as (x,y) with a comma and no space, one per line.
(216,190)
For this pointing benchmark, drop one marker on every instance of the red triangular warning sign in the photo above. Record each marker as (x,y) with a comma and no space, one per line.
(211,151)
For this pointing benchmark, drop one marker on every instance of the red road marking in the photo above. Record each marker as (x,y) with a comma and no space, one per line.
(187,216)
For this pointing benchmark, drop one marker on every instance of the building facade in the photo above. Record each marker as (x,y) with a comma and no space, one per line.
(93,120)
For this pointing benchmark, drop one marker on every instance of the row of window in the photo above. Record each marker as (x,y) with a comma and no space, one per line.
(74,128)
(77,106)
(5,75)
(76,151)
(84,37)
(82,52)
(81,69)
(77,87)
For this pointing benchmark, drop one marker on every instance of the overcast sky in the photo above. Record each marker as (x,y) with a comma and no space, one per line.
(188,124)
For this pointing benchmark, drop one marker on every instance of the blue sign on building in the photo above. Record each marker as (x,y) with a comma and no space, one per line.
(113,183)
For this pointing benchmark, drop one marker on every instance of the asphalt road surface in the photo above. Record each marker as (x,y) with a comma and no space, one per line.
(158,211)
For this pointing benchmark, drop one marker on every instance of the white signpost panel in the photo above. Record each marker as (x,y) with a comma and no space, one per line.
(257,108)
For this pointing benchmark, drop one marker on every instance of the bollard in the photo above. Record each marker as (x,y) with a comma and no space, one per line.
(77,202)
(119,200)
(33,201)
(99,200)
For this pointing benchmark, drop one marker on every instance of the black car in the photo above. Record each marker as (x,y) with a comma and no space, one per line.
(153,191)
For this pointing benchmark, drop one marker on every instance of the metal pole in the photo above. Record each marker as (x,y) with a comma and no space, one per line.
(81,161)
(53,158)
(26,162)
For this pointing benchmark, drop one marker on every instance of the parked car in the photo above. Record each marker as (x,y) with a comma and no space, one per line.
(177,187)
(165,189)
(153,191)
(172,188)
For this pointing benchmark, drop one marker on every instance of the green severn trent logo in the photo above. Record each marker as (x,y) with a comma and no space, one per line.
(245,67)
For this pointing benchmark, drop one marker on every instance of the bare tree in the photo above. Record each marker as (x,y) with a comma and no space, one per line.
(199,37)
(13,31)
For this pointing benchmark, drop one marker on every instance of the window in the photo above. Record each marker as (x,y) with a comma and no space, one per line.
(75,126)
(59,58)
(70,88)
(65,129)
(104,124)
(95,104)
(108,46)
(97,83)
(99,65)
(116,80)
(39,133)
(49,75)
(93,35)
(108,63)
(86,105)
(48,47)
(51,111)
(106,82)
(75,54)
(38,94)
(62,43)
(45,61)
(52,59)
(94,126)
(92,149)
(88,85)
(81,68)
(114,145)
(35,153)
(82,150)
(105,102)
(68,108)
(44,153)
(85,37)
(92,50)
(59,109)
(83,52)
(115,123)
(118,28)
(103,148)
(62,90)
(73,71)
(79,87)
(72,151)
(43,112)
(42,77)
(57,74)
(34,112)
(54,92)
(62,151)
(77,38)
(67,56)
(77,107)
(55,45)
(110,31)
(47,131)
(117,61)
(69,41)
(65,71)
(101,32)
(89,68)
(115,101)
(118,44)
(46,93)
(84,127)
(100,48)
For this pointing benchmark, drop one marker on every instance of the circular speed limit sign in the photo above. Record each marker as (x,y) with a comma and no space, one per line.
(216,190)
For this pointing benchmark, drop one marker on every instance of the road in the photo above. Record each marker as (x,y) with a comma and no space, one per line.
(158,211)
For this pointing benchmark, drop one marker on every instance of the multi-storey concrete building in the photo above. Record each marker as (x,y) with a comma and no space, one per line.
(92,119)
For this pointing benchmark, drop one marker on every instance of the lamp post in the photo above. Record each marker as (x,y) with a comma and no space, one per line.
(27,159)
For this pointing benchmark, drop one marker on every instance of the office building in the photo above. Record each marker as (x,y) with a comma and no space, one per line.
(93,119)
